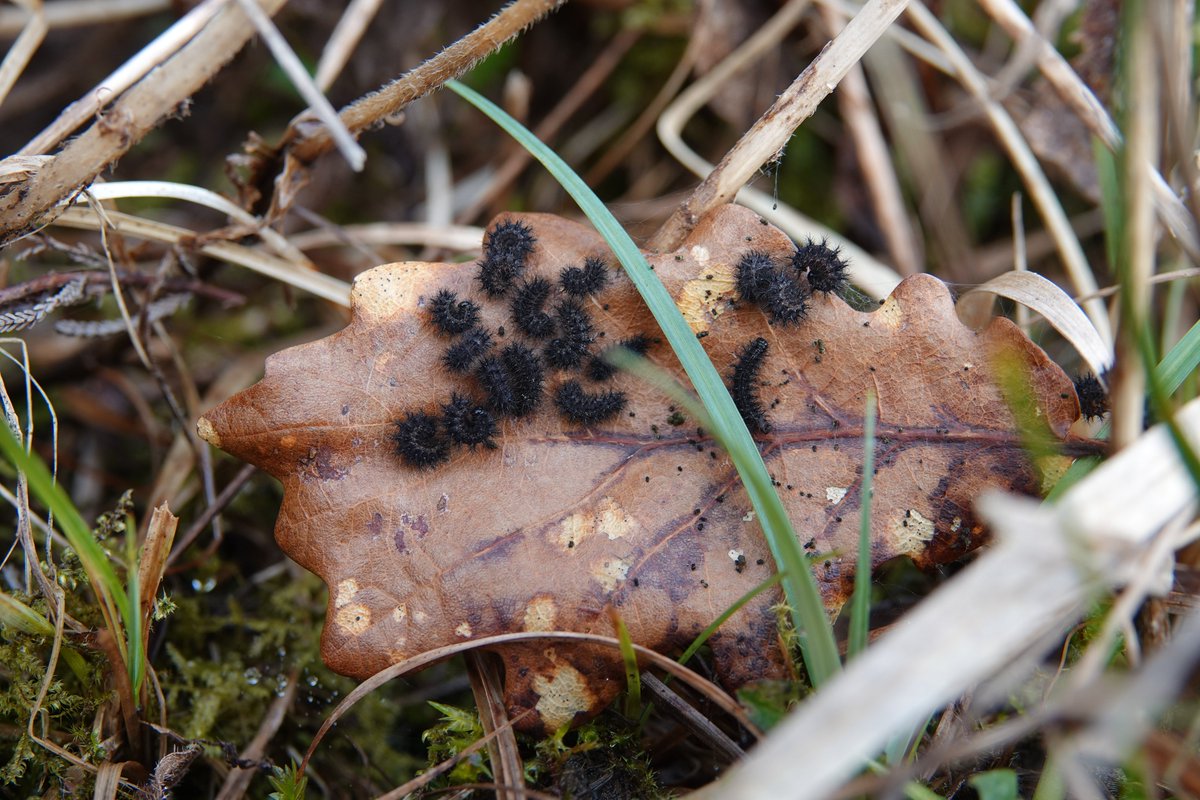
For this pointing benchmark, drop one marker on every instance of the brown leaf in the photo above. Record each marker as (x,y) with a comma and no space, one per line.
(643,514)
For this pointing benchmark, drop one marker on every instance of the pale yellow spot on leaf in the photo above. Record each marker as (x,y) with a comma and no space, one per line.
(613,521)
(345,592)
(912,531)
(889,314)
(562,696)
(353,617)
(540,614)
(610,572)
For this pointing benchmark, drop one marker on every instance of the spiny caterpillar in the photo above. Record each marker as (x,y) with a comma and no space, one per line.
(582,281)
(824,264)
(504,254)
(467,423)
(761,281)
(467,350)
(1093,399)
(419,441)
(600,369)
(587,408)
(526,308)
(754,271)
(744,385)
(575,336)
(451,315)
(510,382)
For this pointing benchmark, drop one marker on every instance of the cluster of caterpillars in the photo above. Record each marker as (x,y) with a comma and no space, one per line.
(782,290)
(555,332)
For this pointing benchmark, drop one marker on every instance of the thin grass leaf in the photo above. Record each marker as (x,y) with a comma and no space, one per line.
(1078,470)
(133,622)
(995,784)
(707,633)
(109,591)
(633,674)
(860,601)
(817,643)
(912,789)
(1118,207)
(15,614)
(1181,362)
(1050,784)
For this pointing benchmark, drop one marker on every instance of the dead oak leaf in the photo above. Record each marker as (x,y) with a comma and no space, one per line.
(642,513)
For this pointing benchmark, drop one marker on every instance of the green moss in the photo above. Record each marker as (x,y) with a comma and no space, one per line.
(66,714)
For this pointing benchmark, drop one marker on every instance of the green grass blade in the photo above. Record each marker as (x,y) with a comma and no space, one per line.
(1181,362)
(133,599)
(633,674)
(110,593)
(1117,200)
(15,614)
(816,636)
(707,633)
(860,601)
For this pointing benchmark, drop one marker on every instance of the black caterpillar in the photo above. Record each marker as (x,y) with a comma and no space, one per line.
(585,280)
(1093,399)
(511,381)
(761,281)
(419,440)
(744,385)
(575,336)
(504,254)
(452,315)
(461,355)
(527,308)
(587,408)
(467,423)
(824,265)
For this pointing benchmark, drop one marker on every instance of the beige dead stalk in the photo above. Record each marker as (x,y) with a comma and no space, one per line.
(306,142)
(1044,296)
(238,779)
(487,684)
(867,273)
(1040,576)
(133,115)
(152,55)
(1129,381)
(901,101)
(345,37)
(318,104)
(770,134)
(18,55)
(316,283)
(1067,83)
(875,164)
(1040,191)
(460,238)
(74,13)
